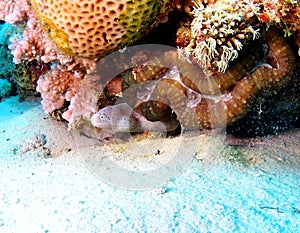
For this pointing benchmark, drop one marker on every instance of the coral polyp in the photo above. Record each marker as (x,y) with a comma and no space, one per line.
(219,30)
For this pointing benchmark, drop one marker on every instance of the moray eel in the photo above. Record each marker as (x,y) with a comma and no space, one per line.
(122,118)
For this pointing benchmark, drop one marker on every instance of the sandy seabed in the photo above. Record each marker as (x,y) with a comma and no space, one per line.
(48,186)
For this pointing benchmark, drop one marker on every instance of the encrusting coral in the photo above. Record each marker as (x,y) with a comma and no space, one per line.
(26,75)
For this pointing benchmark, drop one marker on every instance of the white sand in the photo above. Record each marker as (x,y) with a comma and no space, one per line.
(243,189)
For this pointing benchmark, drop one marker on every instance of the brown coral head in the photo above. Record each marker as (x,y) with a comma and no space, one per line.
(92,28)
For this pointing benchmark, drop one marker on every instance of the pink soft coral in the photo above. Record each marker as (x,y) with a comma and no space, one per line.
(84,102)
(32,44)
(56,87)
(15,11)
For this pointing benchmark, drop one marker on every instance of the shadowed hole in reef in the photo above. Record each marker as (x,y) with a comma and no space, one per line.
(270,113)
